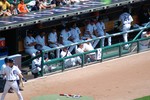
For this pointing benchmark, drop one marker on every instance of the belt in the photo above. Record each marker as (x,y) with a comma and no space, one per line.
(11,80)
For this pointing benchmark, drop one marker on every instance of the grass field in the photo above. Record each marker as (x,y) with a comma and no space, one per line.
(144,98)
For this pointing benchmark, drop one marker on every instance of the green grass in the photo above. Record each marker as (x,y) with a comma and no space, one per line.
(144,98)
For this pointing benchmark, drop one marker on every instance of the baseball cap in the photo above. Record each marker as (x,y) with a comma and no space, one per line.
(6,60)
(11,60)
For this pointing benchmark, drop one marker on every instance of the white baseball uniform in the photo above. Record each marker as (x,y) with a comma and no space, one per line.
(143,45)
(37,61)
(41,40)
(90,29)
(126,20)
(52,37)
(71,61)
(11,81)
(89,47)
(65,36)
(30,49)
(75,34)
(100,29)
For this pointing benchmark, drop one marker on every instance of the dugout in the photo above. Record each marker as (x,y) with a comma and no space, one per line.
(14,28)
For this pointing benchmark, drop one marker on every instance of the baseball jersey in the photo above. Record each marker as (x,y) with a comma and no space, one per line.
(52,37)
(35,62)
(28,40)
(80,50)
(40,40)
(17,76)
(126,20)
(63,54)
(90,28)
(100,28)
(88,47)
(11,72)
(65,35)
(75,33)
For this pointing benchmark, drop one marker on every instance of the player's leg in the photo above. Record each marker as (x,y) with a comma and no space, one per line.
(15,87)
(71,47)
(125,37)
(109,39)
(6,88)
(94,44)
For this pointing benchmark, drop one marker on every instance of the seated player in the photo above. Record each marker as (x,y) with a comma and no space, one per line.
(143,45)
(88,47)
(71,61)
(75,33)
(91,32)
(53,41)
(36,65)
(22,8)
(41,44)
(65,37)
(29,44)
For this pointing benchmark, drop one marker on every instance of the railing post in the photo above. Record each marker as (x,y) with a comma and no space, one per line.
(83,57)
(63,65)
(102,55)
(120,50)
(42,63)
(100,43)
(138,46)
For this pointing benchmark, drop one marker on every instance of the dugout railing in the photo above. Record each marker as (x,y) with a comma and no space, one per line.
(107,52)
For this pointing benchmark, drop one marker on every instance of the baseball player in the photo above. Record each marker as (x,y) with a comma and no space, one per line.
(53,41)
(143,45)
(91,32)
(40,39)
(75,33)
(10,70)
(29,43)
(102,31)
(71,61)
(6,60)
(36,65)
(125,24)
(65,37)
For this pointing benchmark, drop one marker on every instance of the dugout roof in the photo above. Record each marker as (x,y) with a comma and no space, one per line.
(87,6)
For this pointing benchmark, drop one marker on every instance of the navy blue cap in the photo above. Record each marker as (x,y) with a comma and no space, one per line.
(11,60)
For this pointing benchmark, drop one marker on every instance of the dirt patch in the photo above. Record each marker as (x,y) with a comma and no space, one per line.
(119,79)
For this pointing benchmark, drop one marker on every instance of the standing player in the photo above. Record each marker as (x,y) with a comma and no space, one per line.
(102,31)
(125,20)
(6,63)
(10,70)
